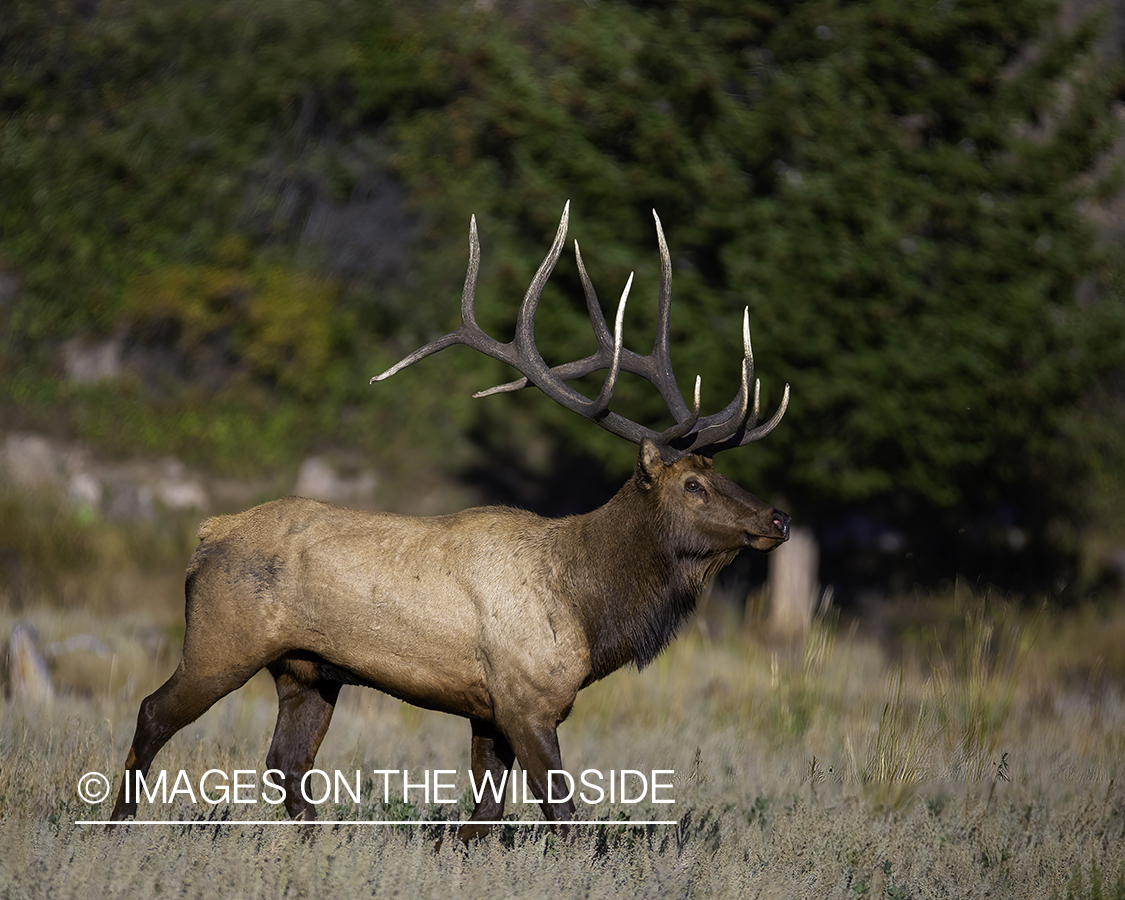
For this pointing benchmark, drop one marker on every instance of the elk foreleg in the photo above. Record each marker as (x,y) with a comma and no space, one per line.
(304,710)
(492,756)
(537,749)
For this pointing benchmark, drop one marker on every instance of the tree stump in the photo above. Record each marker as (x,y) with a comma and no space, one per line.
(793,586)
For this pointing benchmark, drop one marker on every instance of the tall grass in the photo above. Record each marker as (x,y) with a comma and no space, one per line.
(893,767)
(975,686)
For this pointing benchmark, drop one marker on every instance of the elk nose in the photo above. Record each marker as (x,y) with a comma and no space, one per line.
(781,522)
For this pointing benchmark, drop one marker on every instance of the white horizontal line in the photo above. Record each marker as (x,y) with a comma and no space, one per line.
(366,822)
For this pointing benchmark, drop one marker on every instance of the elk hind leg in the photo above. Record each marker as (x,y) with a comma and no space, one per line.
(492,760)
(305,702)
(178,702)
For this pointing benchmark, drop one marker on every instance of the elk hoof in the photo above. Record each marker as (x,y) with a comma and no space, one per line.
(471,832)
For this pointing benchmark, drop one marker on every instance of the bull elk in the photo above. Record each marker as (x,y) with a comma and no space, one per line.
(494,614)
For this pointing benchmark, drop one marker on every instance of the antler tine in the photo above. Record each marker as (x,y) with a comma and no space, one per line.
(468,331)
(521,352)
(602,401)
(735,425)
(756,434)
(468,292)
(685,425)
(528,359)
(747,434)
(717,428)
(441,343)
(593,307)
(748,354)
(580,367)
(524,341)
(734,428)
(661,351)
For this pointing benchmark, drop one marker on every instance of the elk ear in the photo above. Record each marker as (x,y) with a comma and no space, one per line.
(649,462)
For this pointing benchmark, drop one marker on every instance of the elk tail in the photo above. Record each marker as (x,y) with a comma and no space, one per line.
(216,527)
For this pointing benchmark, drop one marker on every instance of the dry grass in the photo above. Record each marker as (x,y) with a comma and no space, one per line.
(826,771)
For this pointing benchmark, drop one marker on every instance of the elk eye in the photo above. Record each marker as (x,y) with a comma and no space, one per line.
(693,486)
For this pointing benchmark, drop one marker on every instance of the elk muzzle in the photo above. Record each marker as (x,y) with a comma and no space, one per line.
(776,531)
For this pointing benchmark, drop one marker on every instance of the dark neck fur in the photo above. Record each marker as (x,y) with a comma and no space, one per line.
(631,586)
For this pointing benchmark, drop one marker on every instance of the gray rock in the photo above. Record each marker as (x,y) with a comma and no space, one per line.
(87,362)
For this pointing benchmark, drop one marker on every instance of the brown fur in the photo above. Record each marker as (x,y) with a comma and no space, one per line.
(494,614)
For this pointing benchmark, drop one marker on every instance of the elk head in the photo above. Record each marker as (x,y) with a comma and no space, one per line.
(715,515)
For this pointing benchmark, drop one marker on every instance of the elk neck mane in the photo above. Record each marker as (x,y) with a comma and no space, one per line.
(630,583)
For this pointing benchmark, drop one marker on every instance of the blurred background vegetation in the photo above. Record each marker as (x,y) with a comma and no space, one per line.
(266,203)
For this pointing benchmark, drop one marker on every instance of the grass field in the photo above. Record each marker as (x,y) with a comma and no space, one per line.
(975,750)
(975,760)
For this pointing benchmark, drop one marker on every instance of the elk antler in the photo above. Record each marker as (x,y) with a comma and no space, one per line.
(736,425)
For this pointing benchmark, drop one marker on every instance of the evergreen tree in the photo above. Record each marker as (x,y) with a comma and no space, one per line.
(893,188)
